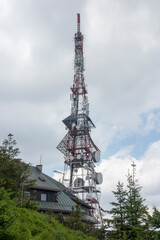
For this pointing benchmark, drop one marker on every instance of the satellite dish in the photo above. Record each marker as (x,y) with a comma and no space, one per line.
(71,157)
(73,125)
(87,177)
(78,127)
(96,156)
(79,156)
(92,165)
(90,157)
(79,182)
(86,167)
(98,178)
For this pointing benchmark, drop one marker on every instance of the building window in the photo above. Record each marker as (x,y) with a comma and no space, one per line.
(27,195)
(43,197)
(42,179)
(79,182)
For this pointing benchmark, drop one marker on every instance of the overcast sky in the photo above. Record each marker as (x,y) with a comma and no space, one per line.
(122,62)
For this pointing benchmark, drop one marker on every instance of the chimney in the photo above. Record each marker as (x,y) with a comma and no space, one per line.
(39,167)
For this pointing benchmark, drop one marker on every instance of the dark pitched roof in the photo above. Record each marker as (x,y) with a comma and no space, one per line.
(42,180)
(90,219)
(52,185)
(64,202)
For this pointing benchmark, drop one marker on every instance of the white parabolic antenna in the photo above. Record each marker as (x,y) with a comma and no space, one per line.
(96,156)
(86,167)
(98,178)
(87,177)
(79,156)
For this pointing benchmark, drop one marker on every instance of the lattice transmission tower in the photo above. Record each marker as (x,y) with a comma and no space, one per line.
(80,152)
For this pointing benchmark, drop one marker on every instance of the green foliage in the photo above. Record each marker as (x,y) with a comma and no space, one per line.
(155,219)
(18,223)
(154,223)
(136,210)
(38,226)
(14,172)
(99,233)
(29,204)
(118,212)
(8,213)
(60,218)
(74,221)
(129,214)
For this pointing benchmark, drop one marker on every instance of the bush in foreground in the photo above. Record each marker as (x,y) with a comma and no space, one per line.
(20,223)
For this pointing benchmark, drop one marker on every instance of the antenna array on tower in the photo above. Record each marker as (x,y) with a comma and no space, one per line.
(80,152)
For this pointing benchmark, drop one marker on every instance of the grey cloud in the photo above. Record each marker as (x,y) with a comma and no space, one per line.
(36,57)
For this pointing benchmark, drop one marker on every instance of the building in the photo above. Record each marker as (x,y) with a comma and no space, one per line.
(54,197)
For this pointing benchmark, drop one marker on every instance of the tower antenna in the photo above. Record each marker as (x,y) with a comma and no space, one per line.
(80,152)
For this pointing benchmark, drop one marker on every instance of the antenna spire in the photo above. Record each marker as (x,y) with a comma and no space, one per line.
(78,22)
(80,152)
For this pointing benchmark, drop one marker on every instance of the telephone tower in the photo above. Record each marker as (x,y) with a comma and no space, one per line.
(80,152)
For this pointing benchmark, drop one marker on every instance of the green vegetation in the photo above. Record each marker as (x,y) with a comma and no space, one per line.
(74,222)
(21,223)
(13,171)
(130,217)
(19,219)
(18,216)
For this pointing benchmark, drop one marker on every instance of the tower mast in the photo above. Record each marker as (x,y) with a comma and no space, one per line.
(79,150)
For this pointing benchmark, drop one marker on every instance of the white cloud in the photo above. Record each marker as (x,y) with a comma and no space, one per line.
(122,51)
(116,168)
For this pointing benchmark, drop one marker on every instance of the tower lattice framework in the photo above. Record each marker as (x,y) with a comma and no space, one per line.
(80,152)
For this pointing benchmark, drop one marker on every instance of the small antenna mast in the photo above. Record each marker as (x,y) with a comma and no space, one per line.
(41,159)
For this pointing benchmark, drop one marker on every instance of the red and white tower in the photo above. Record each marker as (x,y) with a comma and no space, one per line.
(80,152)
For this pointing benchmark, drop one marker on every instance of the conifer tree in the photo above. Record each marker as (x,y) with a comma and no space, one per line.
(137,214)
(154,223)
(129,213)
(14,172)
(118,213)
(155,219)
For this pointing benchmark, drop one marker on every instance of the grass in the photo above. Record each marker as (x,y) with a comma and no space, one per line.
(29,224)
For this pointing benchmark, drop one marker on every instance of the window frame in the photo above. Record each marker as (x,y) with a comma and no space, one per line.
(43,197)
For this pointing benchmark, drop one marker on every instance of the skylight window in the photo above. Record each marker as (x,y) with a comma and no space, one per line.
(42,179)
